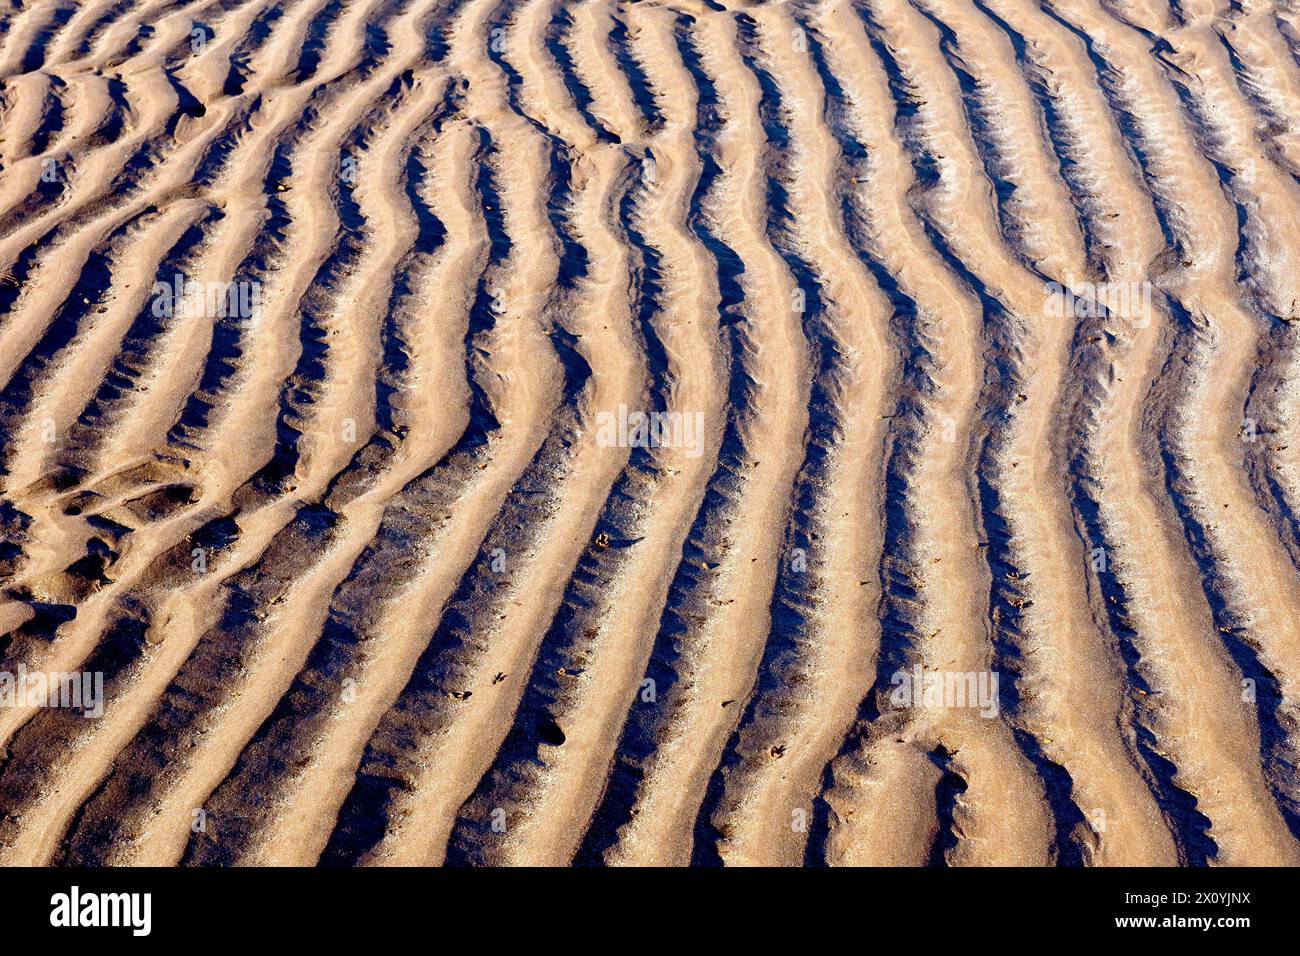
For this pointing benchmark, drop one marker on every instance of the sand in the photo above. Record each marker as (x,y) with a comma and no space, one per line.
(517,432)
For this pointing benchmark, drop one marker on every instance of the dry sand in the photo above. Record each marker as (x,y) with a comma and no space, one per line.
(376,568)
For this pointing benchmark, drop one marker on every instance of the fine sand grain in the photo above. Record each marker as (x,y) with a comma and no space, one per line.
(495,432)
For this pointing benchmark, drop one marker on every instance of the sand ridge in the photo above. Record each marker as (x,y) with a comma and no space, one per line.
(311,316)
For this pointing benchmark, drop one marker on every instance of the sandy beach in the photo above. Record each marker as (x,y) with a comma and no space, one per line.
(624,432)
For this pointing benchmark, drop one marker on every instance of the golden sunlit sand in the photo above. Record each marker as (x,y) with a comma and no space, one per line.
(536,432)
